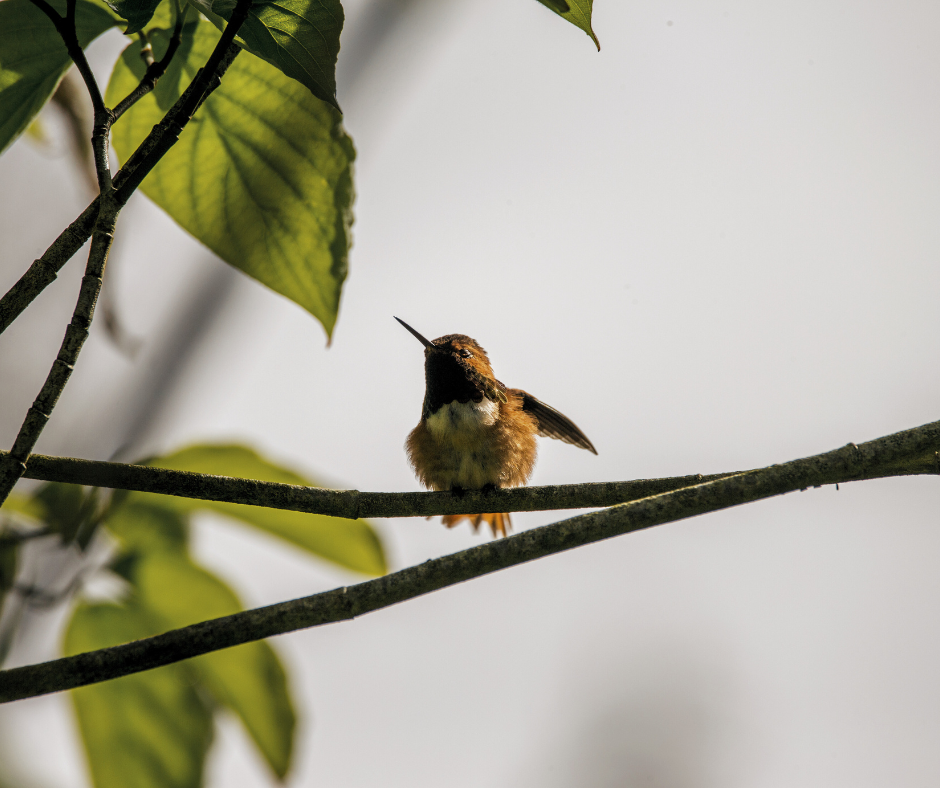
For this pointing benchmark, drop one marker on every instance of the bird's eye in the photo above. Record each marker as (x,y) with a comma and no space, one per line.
(464,353)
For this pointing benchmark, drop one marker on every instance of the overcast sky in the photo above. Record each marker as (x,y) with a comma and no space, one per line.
(714,246)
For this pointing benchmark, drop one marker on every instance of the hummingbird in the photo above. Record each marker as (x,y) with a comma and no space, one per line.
(476,433)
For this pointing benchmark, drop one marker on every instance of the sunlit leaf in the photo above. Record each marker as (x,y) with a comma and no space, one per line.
(33,58)
(248,679)
(262,174)
(300,37)
(578,12)
(349,543)
(147,730)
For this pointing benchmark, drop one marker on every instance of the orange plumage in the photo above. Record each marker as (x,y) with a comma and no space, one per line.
(475,433)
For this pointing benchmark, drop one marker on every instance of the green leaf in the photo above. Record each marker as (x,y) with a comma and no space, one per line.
(248,679)
(350,543)
(137,12)
(142,529)
(165,15)
(300,37)
(70,510)
(33,58)
(578,12)
(26,506)
(147,730)
(262,174)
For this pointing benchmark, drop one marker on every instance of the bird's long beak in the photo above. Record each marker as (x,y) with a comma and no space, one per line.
(420,338)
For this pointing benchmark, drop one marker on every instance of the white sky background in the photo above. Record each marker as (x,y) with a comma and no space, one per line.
(714,246)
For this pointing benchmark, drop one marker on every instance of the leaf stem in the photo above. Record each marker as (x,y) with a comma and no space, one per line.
(154,70)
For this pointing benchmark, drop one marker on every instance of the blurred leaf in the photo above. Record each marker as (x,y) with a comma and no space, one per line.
(70,510)
(299,37)
(33,58)
(137,12)
(27,506)
(262,174)
(350,543)
(142,529)
(147,730)
(578,12)
(248,679)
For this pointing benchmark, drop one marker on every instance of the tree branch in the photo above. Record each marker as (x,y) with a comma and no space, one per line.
(13,464)
(44,270)
(353,504)
(912,451)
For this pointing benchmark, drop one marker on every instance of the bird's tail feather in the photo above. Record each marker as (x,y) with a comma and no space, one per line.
(499,522)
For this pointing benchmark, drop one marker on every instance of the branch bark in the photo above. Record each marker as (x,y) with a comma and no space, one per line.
(912,451)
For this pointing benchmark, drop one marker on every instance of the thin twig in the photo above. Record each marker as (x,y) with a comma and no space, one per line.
(99,138)
(885,456)
(154,70)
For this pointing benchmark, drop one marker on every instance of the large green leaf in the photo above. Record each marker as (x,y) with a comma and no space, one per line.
(33,58)
(148,730)
(578,12)
(300,37)
(261,175)
(248,679)
(350,543)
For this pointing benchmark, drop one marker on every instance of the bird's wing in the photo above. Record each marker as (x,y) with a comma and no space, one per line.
(553,424)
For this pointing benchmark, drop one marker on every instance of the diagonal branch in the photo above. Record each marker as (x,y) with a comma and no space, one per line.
(891,455)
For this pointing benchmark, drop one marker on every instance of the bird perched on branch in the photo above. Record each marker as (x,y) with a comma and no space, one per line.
(475,433)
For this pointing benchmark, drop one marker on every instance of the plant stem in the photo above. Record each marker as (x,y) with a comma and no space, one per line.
(154,70)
